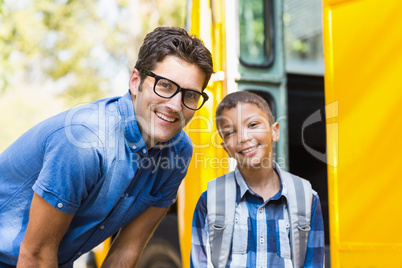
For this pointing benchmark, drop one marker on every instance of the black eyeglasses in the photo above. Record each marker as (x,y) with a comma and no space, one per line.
(167,89)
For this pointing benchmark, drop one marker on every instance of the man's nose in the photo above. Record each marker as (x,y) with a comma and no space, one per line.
(175,102)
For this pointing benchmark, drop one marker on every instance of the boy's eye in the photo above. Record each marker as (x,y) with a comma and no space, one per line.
(253,124)
(227,134)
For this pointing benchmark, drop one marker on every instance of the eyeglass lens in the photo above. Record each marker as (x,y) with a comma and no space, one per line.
(167,89)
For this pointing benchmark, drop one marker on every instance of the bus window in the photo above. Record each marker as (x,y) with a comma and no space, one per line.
(255,33)
(303,37)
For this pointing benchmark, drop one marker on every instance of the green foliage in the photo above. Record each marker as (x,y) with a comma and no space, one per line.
(72,39)
(70,51)
(51,39)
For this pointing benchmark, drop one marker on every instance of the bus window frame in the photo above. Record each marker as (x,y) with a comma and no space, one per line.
(269,33)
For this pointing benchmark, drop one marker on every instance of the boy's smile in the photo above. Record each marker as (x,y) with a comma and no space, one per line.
(247,135)
(249,151)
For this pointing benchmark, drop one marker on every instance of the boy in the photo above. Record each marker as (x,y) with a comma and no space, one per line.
(262,231)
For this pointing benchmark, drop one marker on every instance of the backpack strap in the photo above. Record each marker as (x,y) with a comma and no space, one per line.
(299,198)
(221,204)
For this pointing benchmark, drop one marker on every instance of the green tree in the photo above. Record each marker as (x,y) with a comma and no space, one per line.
(69,52)
(72,41)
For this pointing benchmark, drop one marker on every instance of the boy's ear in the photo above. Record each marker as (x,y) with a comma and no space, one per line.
(276,131)
(134,82)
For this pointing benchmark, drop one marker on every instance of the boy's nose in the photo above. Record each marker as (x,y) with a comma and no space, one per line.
(244,137)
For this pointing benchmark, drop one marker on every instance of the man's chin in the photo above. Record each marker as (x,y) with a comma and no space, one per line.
(165,138)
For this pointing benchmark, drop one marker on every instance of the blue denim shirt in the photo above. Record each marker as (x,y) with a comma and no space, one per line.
(90,161)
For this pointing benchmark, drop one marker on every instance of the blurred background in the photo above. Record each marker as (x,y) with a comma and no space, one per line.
(56,54)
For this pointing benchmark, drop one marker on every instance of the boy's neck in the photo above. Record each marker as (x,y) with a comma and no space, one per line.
(264,180)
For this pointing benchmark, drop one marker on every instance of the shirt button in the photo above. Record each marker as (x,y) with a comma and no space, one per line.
(79,253)
(102,227)
(59,205)
(134,147)
(261,240)
(144,150)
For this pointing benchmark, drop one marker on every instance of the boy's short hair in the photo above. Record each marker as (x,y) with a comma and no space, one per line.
(231,100)
(174,41)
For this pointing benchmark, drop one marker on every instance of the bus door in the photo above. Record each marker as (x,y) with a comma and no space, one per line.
(363,62)
(256,60)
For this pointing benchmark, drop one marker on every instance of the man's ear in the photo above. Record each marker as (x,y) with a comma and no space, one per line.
(276,131)
(134,82)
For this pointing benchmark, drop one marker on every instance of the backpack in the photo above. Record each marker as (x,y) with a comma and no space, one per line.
(221,205)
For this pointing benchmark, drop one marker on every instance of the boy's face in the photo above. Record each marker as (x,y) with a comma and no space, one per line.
(247,135)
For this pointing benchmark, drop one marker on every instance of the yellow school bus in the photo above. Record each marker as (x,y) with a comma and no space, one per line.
(363,61)
(339,129)
(246,41)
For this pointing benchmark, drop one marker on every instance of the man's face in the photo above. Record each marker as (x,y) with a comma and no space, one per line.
(161,119)
(247,135)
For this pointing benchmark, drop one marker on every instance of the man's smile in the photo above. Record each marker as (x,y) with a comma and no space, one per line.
(165,117)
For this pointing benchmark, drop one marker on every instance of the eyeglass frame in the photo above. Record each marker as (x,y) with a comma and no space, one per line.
(179,89)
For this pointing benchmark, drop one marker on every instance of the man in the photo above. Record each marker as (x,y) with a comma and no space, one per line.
(77,178)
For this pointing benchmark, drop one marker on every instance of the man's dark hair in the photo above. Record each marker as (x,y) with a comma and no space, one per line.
(231,100)
(174,41)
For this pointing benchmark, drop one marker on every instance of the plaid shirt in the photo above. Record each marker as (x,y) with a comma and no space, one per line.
(258,241)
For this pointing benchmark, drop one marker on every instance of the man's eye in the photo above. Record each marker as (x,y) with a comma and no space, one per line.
(165,84)
(192,95)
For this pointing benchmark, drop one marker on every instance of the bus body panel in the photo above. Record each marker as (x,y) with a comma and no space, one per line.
(362,42)
(208,156)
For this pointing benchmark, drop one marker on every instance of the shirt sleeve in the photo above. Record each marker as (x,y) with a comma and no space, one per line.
(315,243)
(199,235)
(70,168)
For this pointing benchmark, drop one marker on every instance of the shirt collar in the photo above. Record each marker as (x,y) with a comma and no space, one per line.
(131,130)
(284,189)
(244,187)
